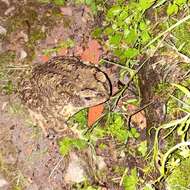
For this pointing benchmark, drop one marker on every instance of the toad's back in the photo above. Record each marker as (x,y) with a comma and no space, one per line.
(63,86)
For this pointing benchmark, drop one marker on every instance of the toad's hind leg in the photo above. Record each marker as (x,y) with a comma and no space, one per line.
(60,126)
(39,120)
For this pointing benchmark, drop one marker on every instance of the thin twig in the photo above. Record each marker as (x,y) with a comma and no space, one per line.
(122,91)
(183,57)
(123,176)
(56,166)
(166,31)
(113,63)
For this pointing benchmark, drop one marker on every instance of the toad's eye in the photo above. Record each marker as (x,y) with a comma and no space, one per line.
(87,98)
(87,93)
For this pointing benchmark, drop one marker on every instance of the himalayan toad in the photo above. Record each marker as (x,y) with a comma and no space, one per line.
(56,90)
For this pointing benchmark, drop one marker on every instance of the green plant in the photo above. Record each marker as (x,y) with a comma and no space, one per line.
(8,88)
(80,118)
(175,6)
(127,28)
(179,180)
(56,2)
(143,148)
(117,128)
(181,126)
(130,181)
(67,144)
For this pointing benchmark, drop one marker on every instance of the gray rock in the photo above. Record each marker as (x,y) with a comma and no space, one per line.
(75,172)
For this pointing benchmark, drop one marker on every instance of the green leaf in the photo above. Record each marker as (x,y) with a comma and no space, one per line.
(130,36)
(183,89)
(79,143)
(134,133)
(180,2)
(131,53)
(119,52)
(123,15)
(145,4)
(143,148)
(108,31)
(130,182)
(89,2)
(148,187)
(67,144)
(93,7)
(114,11)
(44,1)
(59,2)
(97,33)
(185,152)
(115,40)
(116,128)
(172,9)
(145,37)
(143,26)
(81,118)
(175,122)
(8,88)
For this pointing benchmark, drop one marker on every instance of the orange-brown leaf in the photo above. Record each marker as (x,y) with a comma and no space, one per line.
(94,113)
(139,118)
(44,58)
(92,53)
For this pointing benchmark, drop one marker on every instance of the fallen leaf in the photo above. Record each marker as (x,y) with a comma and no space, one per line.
(94,113)
(44,58)
(139,118)
(92,53)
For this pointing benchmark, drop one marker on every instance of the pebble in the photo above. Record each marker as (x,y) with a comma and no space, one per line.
(6,2)
(23,55)
(75,173)
(3,31)
(100,162)
(3,183)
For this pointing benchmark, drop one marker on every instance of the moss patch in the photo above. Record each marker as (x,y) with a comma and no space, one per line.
(180,178)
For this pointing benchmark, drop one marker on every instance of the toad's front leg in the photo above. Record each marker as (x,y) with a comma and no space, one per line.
(39,120)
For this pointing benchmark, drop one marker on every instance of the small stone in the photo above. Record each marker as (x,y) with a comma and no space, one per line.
(23,55)
(3,31)
(6,2)
(75,172)
(3,182)
(100,162)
